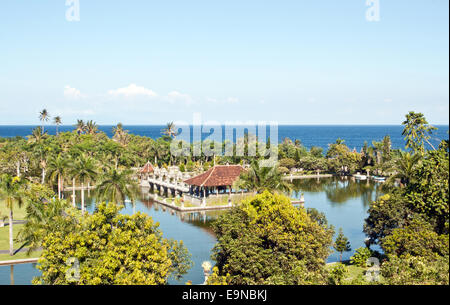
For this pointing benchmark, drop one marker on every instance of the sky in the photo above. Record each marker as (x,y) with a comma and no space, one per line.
(291,62)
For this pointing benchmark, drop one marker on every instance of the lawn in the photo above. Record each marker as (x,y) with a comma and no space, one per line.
(4,237)
(354,272)
(21,255)
(18,213)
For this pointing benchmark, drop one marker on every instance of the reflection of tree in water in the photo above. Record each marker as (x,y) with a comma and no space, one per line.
(339,189)
(202,220)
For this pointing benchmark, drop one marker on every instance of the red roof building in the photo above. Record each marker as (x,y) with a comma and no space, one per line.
(219,175)
(147,169)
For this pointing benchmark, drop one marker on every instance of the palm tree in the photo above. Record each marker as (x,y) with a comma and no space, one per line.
(37,135)
(170,130)
(80,127)
(58,121)
(116,186)
(40,217)
(57,168)
(404,167)
(259,179)
(91,127)
(43,116)
(84,171)
(120,135)
(11,192)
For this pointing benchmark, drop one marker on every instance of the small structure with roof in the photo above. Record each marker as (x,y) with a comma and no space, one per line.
(217,179)
(146,170)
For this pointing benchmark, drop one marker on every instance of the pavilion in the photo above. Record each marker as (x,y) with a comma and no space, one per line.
(219,178)
(146,170)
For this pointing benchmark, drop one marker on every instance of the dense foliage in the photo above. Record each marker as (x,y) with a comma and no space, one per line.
(268,241)
(411,222)
(111,249)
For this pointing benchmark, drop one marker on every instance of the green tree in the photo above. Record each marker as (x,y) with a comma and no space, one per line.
(341,244)
(266,240)
(170,130)
(417,131)
(85,171)
(11,191)
(116,186)
(44,215)
(361,256)
(57,169)
(43,117)
(404,168)
(57,121)
(112,249)
(259,179)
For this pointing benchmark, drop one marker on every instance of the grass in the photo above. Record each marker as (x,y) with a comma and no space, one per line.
(4,236)
(21,255)
(354,272)
(18,213)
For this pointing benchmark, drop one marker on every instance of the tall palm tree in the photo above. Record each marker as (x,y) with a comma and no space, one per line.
(58,121)
(120,135)
(57,168)
(259,179)
(11,189)
(170,130)
(91,127)
(43,117)
(116,186)
(80,127)
(85,171)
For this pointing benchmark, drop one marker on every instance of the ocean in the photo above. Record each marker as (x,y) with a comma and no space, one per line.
(309,135)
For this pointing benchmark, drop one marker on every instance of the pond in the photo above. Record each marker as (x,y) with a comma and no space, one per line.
(344,201)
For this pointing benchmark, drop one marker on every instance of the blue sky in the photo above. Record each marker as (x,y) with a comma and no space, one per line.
(294,62)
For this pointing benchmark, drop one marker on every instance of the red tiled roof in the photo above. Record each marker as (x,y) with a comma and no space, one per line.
(148,168)
(219,175)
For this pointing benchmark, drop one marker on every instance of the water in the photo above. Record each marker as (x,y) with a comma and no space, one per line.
(320,135)
(344,202)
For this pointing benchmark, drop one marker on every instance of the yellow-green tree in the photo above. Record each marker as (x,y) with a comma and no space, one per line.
(110,248)
(267,240)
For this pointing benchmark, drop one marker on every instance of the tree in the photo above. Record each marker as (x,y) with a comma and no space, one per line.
(416,239)
(417,131)
(266,240)
(80,127)
(84,171)
(259,179)
(404,168)
(361,256)
(57,120)
(120,135)
(341,244)
(44,215)
(57,169)
(112,249)
(117,185)
(43,117)
(170,130)
(415,270)
(11,191)
(91,127)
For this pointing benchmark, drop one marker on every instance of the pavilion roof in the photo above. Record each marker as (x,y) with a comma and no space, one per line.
(148,168)
(219,175)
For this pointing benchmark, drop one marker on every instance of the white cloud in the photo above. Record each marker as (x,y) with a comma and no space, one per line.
(72,93)
(388,100)
(176,96)
(131,91)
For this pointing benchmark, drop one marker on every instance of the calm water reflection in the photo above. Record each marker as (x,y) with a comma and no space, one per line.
(344,202)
